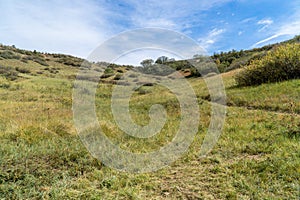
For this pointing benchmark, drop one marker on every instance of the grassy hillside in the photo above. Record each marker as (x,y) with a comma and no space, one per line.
(41,156)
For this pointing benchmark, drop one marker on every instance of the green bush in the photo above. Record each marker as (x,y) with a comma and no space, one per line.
(8,72)
(22,70)
(9,55)
(118,77)
(41,61)
(36,59)
(246,60)
(71,61)
(108,70)
(280,64)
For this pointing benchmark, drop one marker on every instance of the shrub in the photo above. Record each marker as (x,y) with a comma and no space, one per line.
(9,55)
(244,61)
(24,60)
(280,64)
(9,73)
(118,77)
(157,69)
(67,60)
(23,70)
(108,70)
(36,59)
(41,62)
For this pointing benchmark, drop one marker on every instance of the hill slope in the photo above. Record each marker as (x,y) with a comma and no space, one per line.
(256,157)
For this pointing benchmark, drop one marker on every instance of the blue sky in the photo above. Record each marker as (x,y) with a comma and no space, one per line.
(77,27)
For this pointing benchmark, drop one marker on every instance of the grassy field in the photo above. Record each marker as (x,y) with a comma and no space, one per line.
(42,157)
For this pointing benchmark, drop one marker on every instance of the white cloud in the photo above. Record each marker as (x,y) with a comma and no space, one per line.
(265,24)
(175,14)
(166,23)
(212,37)
(215,32)
(287,28)
(146,43)
(55,26)
(265,40)
(77,27)
(290,27)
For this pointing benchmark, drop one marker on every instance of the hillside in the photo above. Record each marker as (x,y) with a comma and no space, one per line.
(42,157)
(65,66)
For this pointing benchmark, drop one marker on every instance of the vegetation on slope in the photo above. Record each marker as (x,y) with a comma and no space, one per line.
(280,64)
(41,157)
(227,61)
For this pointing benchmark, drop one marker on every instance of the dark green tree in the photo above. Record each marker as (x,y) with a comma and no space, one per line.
(162,60)
(147,63)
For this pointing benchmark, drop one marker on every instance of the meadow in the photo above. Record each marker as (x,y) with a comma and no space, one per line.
(41,156)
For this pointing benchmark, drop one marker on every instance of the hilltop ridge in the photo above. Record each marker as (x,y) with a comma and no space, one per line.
(52,64)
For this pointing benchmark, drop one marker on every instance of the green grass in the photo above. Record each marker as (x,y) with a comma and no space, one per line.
(41,156)
(281,97)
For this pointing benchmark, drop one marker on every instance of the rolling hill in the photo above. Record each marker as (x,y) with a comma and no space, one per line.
(42,157)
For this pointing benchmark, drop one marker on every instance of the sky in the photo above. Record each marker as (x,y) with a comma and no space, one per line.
(78,27)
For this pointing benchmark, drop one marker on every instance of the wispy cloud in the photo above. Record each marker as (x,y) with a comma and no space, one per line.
(265,40)
(265,24)
(147,42)
(247,20)
(285,30)
(77,27)
(212,37)
(176,14)
(55,26)
(289,27)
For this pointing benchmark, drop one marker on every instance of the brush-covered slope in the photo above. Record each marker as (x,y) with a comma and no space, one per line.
(41,157)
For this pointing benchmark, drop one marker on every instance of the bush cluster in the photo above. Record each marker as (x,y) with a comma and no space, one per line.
(9,73)
(243,61)
(37,59)
(9,55)
(280,64)
(71,61)
(22,70)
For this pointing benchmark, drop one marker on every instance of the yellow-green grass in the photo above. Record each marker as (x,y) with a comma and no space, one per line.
(279,97)
(41,156)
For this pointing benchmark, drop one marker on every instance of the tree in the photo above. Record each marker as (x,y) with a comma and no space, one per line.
(147,63)
(161,60)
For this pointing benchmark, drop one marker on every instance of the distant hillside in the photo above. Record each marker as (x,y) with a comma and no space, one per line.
(227,61)
(16,63)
